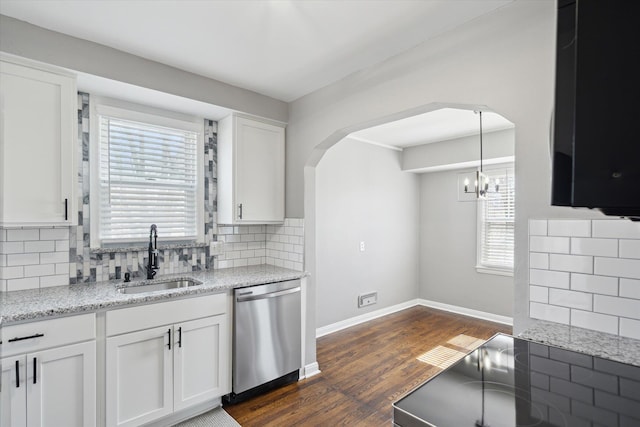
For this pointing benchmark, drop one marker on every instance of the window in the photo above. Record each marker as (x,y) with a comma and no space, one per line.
(496,223)
(149,172)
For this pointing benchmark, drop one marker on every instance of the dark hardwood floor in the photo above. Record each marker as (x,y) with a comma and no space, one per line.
(365,369)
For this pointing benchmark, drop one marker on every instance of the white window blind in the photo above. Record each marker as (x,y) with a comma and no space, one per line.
(497,221)
(148,175)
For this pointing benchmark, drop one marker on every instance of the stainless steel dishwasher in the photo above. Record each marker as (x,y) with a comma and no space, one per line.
(266,338)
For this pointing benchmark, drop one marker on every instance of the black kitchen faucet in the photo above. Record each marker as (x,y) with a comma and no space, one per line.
(152,265)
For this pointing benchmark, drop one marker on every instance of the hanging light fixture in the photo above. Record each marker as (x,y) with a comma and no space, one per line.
(481,185)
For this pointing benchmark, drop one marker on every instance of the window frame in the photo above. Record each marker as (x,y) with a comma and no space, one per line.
(480,267)
(154,116)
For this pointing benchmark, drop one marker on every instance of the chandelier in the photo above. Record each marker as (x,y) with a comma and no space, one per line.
(482,184)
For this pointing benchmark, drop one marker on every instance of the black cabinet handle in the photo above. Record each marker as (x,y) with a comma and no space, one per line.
(180,337)
(34,371)
(26,338)
(240,208)
(169,332)
(17,374)
(66,209)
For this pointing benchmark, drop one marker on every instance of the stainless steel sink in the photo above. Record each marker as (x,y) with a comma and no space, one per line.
(155,286)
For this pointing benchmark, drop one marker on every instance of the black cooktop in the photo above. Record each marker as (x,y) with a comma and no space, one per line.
(511,382)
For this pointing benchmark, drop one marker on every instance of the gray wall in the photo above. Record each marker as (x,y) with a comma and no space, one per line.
(29,41)
(503,61)
(497,144)
(448,230)
(363,195)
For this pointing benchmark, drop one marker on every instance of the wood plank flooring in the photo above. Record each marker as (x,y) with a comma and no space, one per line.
(365,369)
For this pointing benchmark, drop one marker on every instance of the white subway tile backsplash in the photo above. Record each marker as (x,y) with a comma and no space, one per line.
(3,260)
(537,227)
(3,235)
(551,313)
(549,244)
(600,247)
(617,229)
(54,233)
(3,285)
(40,246)
(594,284)
(56,280)
(630,328)
(572,299)
(11,272)
(619,267)
(23,259)
(568,227)
(555,279)
(21,235)
(539,260)
(39,270)
(22,284)
(590,267)
(630,249)
(539,294)
(54,257)
(11,247)
(573,263)
(623,307)
(630,288)
(594,321)
(62,245)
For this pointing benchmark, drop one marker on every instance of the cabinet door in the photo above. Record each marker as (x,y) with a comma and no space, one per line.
(201,364)
(13,392)
(259,173)
(61,387)
(36,146)
(139,376)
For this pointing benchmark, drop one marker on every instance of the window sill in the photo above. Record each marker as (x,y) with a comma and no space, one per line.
(146,247)
(494,271)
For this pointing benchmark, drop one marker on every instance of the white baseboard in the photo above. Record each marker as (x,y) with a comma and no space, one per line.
(343,324)
(309,370)
(467,312)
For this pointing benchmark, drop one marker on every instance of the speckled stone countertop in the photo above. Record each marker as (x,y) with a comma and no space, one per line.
(37,304)
(607,346)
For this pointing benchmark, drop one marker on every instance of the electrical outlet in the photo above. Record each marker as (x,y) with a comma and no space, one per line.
(369,298)
(361,246)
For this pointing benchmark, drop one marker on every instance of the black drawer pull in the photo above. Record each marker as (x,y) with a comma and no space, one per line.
(17,374)
(180,337)
(34,371)
(66,208)
(169,332)
(26,338)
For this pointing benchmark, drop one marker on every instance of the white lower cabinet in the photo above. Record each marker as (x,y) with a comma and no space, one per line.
(157,371)
(200,361)
(52,387)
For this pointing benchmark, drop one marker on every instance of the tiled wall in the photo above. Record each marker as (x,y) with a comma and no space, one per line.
(586,273)
(587,388)
(34,258)
(92,266)
(279,245)
(285,244)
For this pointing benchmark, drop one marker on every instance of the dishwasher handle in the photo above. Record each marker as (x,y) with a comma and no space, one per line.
(269,295)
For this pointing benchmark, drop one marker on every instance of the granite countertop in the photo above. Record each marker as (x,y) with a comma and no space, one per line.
(37,304)
(607,346)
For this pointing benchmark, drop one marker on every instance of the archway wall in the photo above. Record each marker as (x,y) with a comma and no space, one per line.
(504,61)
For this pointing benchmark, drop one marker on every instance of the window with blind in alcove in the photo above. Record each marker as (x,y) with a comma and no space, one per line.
(149,173)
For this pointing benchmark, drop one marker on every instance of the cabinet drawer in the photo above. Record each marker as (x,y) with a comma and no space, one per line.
(164,313)
(35,336)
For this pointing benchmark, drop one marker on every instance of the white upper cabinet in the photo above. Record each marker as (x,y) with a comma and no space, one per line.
(250,171)
(37,145)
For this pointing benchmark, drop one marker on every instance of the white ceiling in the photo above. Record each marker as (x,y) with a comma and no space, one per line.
(281,48)
(434,126)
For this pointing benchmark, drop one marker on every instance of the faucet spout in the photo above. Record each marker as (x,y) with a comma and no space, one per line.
(152,262)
